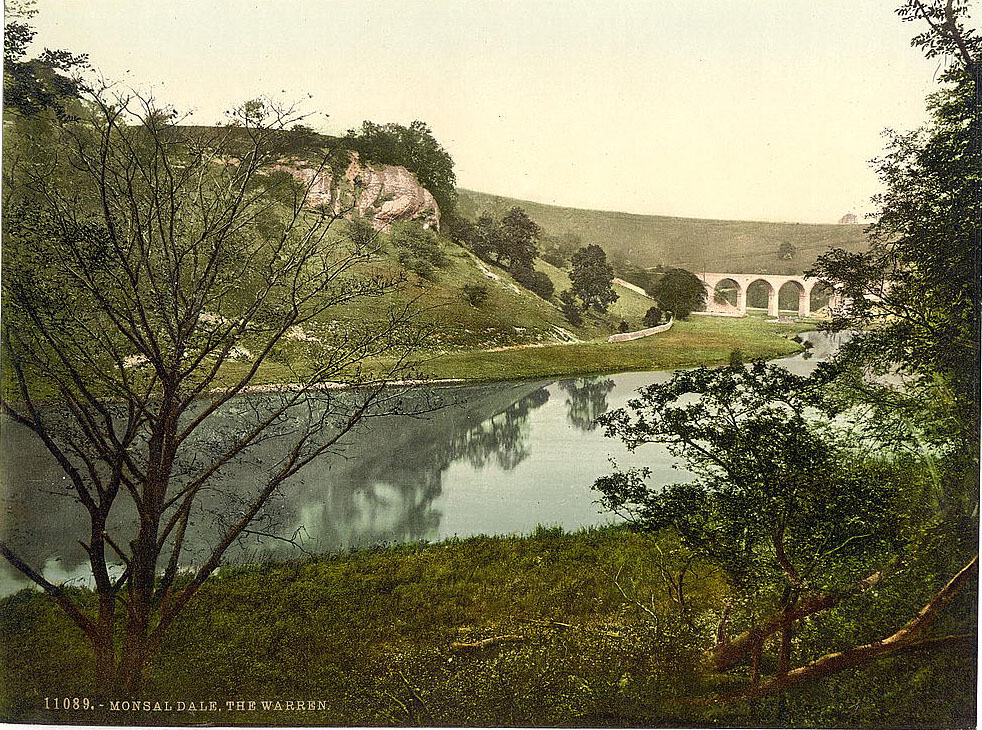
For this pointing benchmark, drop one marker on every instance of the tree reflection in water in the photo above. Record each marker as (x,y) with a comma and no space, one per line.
(586,401)
(504,436)
(383,487)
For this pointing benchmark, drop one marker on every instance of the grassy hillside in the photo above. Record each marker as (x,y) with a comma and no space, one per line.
(514,333)
(693,243)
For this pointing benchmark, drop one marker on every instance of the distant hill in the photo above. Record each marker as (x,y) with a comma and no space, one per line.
(694,243)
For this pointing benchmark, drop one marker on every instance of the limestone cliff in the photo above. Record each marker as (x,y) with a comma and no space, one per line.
(383,194)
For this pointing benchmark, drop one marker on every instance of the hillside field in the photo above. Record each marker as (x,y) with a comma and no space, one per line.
(693,243)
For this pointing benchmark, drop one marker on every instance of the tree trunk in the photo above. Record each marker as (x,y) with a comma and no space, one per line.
(727,653)
(906,638)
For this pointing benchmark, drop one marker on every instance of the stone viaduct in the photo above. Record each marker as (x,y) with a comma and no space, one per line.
(774,284)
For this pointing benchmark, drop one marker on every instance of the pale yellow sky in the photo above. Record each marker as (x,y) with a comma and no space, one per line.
(749,109)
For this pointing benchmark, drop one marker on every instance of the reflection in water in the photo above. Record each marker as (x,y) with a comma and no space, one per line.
(587,400)
(381,487)
(503,458)
(504,436)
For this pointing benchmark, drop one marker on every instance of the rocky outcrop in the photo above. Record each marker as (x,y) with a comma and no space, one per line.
(382,194)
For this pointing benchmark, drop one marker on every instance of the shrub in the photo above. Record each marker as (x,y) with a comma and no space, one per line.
(570,307)
(652,318)
(418,249)
(475,294)
(534,281)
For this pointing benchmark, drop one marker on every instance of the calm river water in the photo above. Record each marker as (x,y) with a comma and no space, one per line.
(505,458)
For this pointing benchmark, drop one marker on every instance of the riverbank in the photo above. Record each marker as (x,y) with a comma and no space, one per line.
(690,343)
(697,341)
(392,636)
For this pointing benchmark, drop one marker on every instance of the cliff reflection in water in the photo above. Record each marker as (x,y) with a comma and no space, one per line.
(381,486)
(385,486)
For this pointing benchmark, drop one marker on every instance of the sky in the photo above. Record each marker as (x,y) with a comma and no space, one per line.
(737,109)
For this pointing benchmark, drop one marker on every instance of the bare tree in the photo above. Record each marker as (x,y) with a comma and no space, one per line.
(153,274)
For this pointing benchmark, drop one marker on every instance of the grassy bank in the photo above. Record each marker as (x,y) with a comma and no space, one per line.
(371,635)
(698,341)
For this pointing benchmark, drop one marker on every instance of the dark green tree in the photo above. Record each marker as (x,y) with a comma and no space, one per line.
(486,236)
(570,307)
(680,292)
(415,148)
(592,278)
(517,239)
(652,318)
(49,81)
(801,516)
(535,281)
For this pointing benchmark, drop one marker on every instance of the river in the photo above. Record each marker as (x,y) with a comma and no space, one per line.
(502,459)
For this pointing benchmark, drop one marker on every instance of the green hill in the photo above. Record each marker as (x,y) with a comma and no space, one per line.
(693,243)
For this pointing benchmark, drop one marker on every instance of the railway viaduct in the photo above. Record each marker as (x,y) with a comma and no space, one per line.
(774,284)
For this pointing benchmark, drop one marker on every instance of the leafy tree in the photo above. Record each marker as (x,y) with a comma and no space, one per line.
(801,516)
(898,495)
(486,236)
(570,307)
(50,81)
(415,148)
(914,295)
(535,281)
(592,278)
(150,273)
(786,251)
(680,292)
(517,239)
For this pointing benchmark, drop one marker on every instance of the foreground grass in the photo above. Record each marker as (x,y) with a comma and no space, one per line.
(371,635)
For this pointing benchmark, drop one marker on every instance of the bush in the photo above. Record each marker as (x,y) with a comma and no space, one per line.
(543,286)
(623,326)
(475,294)
(736,358)
(534,281)
(570,307)
(680,292)
(418,249)
(652,318)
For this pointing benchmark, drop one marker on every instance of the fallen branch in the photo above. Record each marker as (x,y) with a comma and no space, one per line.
(485,643)
(906,638)
(546,622)
(728,652)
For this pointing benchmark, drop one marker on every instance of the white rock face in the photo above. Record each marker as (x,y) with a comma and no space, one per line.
(383,194)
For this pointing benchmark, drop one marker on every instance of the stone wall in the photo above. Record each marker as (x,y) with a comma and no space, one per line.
(638,334)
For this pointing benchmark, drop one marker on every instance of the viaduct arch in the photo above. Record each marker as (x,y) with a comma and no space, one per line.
(774,283)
